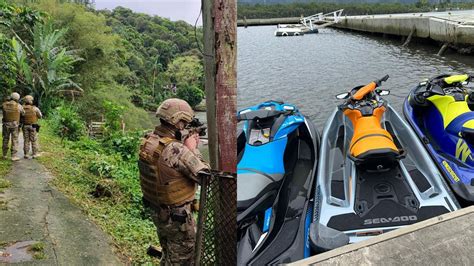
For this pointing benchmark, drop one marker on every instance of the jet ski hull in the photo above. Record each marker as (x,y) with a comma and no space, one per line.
(354,203)
(285,208)
(460,176)
(273,219)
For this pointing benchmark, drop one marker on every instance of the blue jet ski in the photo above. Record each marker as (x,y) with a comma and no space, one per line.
(440,112)
(277,160)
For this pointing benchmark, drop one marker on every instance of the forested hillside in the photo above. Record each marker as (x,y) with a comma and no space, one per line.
(275,9)
(347,1)
(130,59)
(84,65)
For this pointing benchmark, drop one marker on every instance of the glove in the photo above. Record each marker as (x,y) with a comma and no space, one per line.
(195,205)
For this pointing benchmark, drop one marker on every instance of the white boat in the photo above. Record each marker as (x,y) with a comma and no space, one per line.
(290,30)
(309,24)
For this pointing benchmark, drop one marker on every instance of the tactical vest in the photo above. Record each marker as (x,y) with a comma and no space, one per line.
(10,111)
(30,115)
(161,184)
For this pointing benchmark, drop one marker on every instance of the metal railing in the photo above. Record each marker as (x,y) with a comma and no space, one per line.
(327,19)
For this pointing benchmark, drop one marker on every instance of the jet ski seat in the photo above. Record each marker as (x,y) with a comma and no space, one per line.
(371,144)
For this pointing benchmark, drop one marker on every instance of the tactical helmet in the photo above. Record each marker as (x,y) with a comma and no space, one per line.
(15,96)
(173,110)
(29,99)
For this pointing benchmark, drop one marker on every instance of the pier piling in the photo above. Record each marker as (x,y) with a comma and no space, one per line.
(408,40)
(443,49)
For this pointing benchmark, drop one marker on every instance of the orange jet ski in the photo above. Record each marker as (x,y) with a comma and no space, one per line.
(374,174)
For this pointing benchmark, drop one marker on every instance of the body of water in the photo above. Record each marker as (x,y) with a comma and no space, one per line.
(309,70)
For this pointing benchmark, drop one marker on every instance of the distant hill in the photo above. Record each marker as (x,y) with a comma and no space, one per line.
(258,9)
(269,2)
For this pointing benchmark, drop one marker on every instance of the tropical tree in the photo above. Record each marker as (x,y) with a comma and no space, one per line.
(45,67)
(191,94)
(186,71)
(7,66)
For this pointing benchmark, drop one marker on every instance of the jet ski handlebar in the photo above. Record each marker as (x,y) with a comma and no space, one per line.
(444,84)
(259,114)
(362,92)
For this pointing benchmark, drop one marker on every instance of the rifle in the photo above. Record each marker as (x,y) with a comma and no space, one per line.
(194,127)
(197,126)
(37,127)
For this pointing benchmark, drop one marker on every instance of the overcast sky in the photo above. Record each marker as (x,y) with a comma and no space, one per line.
(186,10)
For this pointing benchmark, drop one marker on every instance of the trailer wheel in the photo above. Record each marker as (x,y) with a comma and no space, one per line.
(284,33)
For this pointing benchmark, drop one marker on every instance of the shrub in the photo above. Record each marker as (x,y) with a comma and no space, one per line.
(67,123)
(191,94)
(86,144)
(92,107)
(113,115)
(103,166)
(125,144)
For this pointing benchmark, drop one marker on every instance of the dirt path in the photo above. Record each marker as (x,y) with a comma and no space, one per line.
(32,210)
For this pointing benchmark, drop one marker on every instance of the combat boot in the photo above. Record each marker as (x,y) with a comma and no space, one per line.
(26,157)
(36,155)
(15,158)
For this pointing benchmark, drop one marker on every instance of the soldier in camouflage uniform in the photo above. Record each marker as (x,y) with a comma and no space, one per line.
(30,126)
(12,111)
(169,177)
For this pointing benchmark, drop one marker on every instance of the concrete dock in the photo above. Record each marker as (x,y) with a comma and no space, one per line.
(267,21)
(443,240)
(455,27)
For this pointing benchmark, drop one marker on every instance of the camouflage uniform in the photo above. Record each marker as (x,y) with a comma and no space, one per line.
(30,134)
(169,177)
(10,127)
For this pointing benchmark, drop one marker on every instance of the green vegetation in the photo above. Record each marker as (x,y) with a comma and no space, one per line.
(67,123)
(4,184)
(68,54)
(250,11)
(39,246)
(38,251)
(191,94)
(161,51)
(102,178)
(5,166)
(84,65)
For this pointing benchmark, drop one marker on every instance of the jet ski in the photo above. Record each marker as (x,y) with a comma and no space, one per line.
(277,160)
(440,112)
(374,175)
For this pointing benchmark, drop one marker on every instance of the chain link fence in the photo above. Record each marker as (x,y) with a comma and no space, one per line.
(216,240)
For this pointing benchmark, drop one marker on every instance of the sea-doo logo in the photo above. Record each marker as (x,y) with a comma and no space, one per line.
(390,220)
(451,172)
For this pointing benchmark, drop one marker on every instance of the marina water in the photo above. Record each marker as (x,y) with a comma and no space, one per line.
(309,70)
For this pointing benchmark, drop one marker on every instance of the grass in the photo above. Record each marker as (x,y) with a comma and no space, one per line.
(5,167)
(121,215)
(38,251)
(39,246)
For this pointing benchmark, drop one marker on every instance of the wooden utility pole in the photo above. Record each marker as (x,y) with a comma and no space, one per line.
(220,56)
